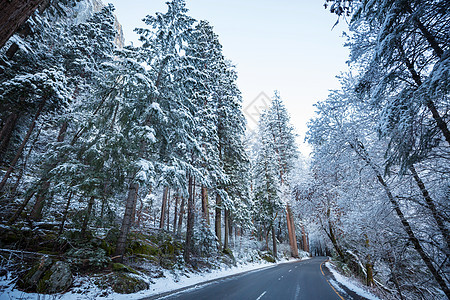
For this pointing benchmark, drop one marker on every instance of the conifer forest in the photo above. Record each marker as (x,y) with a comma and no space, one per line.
(123,165)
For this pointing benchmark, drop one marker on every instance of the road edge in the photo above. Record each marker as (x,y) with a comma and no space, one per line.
(211,281)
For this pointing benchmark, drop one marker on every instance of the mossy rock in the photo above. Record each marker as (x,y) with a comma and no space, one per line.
(140,247)
(122,283)
(268,257)
(31,278)
(56,280)
(118,267)
(47,277)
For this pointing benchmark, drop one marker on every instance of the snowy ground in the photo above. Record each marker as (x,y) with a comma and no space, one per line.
(352,285)
(87,290)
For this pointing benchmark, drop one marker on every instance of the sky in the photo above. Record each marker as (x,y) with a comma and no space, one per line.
(284,45)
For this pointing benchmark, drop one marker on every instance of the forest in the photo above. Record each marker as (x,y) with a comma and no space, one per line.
(120,162)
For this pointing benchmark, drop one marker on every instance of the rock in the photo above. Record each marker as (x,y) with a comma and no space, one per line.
(32,278)
(268,258)
(47,277)
(122,283)
(117,267)
(127,284)
(59,279)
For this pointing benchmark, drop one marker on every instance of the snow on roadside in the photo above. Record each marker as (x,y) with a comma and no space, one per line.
(87,290)
(349,283)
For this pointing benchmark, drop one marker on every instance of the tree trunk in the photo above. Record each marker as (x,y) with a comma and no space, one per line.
(190,221)
(369,265)
(180,219)
(360,151)
(274,242)
(267,238)
(369,271)
(425,32)
(163,208)
(64,216)
(227,233)
(230,230)
(36,213)
(45,185)
(291,231)
(218,220)
(13,14)
(305,246)
(432,207)
(13,192)
(429,103)
(205,208)
(333,240)
(175,213)
(62,132)
(22,146)
(6,133)
(307,243)
(140,212)
(126,222)
(87,216)
(20,209)
(168,211)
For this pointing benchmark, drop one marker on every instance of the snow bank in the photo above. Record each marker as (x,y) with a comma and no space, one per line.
(349,283)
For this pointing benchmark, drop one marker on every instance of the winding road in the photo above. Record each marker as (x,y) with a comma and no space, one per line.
(303,280)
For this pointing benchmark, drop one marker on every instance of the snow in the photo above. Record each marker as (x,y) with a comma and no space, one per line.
(350,284)
(85,289)
(156,107)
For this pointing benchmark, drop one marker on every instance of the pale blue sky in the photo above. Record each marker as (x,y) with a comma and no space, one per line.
(286,45)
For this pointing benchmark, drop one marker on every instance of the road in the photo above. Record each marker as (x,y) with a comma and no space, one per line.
(301,280)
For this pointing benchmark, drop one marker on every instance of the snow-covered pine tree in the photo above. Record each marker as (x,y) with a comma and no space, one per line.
(267,184)
(277,134)
(178,147)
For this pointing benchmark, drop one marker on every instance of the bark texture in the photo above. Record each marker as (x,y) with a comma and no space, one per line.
(22,146)
(13,14)
(190,221)
(126,221)
(218,220)
(291,232)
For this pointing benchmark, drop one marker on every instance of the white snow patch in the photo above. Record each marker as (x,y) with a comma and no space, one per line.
(350,284)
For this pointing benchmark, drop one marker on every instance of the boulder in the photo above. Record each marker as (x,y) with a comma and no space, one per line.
(59,279)
(122,283)
(31,279)
(47,277)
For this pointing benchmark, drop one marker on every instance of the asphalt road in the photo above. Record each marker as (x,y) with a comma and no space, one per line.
(297,280)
